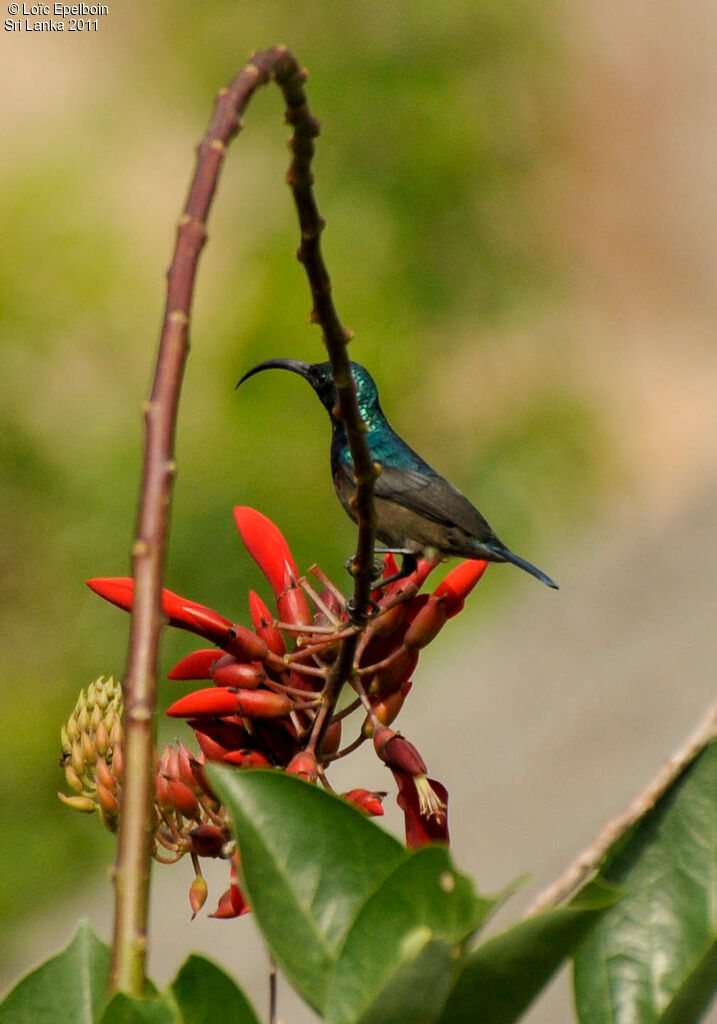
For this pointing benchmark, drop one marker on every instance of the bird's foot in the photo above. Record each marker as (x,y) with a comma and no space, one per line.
(360,620)
(408,566)
(376,571)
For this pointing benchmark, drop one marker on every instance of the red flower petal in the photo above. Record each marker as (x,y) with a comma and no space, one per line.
(209,703)
(196,665)
(262,619)
(458,584)
(291,603)
(227,671)
(266,544)
(231,904)
(247,759)
(365,800)
(228,735)
(184,614)
(427,624)
(420,829)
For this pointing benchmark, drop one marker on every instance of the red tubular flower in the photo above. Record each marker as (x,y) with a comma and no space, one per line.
(427,624)
(266,544)
(368,802)
(262,619)
(388,708)
(196,618)
(304,765)
(208,841)
(421,828)
(241,674)
(230,735)
(196,665)
(247,759)
(183,798)
(394,675)
(231,904)
(291,602)
(398,752)
(197,894)
(245,645)
(458,584)
(212,702)
(218,700)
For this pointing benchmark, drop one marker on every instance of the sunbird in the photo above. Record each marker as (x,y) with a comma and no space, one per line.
(419,514)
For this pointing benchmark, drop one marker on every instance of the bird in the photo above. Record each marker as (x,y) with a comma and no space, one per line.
(419,514)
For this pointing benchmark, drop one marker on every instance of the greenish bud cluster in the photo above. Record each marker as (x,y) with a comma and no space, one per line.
(91,750)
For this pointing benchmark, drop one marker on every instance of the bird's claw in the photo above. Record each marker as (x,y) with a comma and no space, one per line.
(360,620)
(376,571)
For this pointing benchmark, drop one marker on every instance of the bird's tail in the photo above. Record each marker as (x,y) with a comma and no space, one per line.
(508,556)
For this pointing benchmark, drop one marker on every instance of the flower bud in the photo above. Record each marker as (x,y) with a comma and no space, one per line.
(212,702)
(227,671)
(196,665)
(387,709)
(368,802)
(263,619)
(266,544)
(85,804)
(105,775)
(332,739)
(388,621)
(262,704)
(245,645)
(198,891)
(397,752)
(458,584)
(208,841)
(291,603)
(231,735)
(247,759)
(183,799)
(212,750)
(117,761)
(78,761)
(304,765)
(73,779)
(109,807)
(102,740)
(89,754)
(427,624)
(393,675)
(224,907)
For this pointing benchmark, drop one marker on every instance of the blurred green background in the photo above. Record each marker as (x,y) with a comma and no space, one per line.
(465,254)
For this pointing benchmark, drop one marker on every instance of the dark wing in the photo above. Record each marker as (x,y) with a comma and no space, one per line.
(429,495)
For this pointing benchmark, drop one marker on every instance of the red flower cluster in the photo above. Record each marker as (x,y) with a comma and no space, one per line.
(263,705)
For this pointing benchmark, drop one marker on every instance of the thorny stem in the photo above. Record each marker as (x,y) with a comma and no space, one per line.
(148,551)
(300,179)
(588,862)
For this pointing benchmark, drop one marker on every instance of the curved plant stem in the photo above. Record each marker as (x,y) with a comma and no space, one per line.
(148,550)
(588,862)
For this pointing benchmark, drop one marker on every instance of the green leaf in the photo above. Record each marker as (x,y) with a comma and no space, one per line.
(423,899)
(206,995)
(652,957)
(67,989)
(416,991)
(502,977)
(155,1009)
(309,861)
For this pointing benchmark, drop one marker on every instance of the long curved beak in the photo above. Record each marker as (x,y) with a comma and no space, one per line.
(295,365)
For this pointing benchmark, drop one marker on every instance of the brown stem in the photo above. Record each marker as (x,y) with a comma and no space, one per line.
(588,862)
(336,337)
(136,822)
